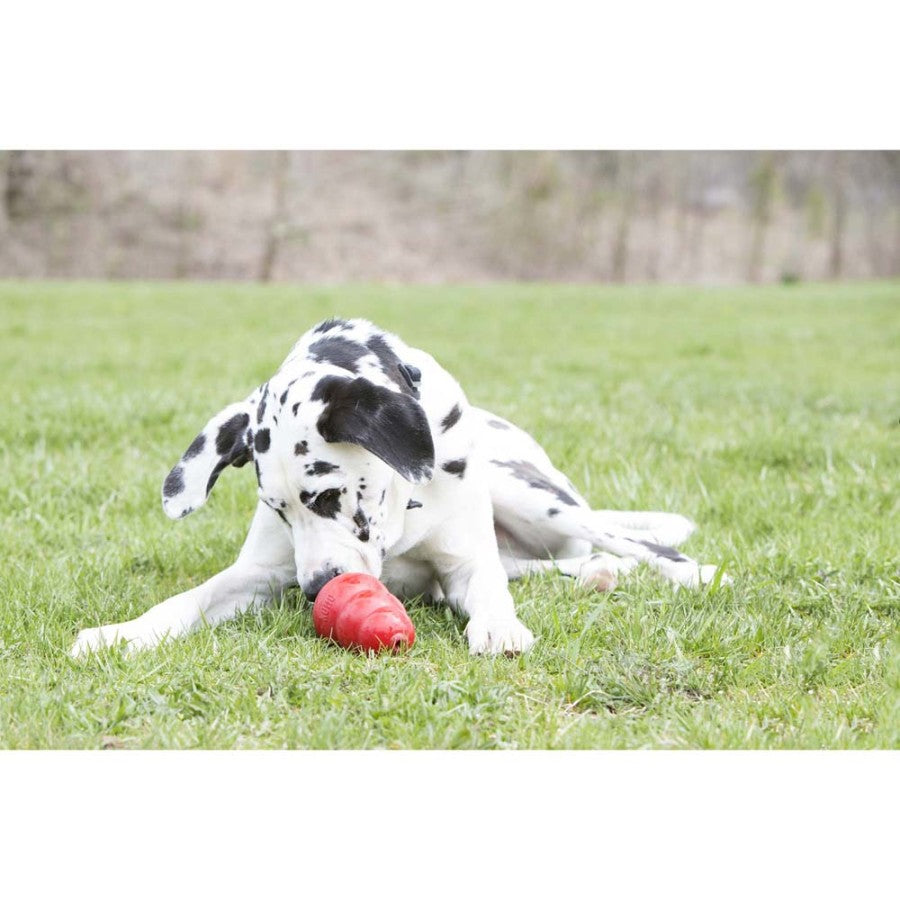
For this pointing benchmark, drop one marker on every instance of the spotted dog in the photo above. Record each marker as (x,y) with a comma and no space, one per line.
(369,458)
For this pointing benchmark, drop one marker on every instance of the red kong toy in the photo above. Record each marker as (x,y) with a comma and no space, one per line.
(357,611)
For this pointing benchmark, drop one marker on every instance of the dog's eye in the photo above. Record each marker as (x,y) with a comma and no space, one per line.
(326,504)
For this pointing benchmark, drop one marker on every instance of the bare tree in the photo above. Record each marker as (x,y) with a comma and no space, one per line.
(763,181)
(4,180)
(19,172)
(625,185)
(839,198)
(277,224)
(654,196)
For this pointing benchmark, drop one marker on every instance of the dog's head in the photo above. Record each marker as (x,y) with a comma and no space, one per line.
(327,448)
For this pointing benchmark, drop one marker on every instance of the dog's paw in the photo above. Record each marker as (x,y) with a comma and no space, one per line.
(601,580)
(122,635)
(600,572)
(487,635)
(687,573)
(708,575)
(91,639)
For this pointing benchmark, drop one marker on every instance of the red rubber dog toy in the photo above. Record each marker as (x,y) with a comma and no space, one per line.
(357,612)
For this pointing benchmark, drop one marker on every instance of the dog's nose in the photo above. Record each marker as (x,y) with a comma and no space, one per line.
(318,580)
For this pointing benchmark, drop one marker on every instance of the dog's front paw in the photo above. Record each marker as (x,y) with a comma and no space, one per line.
(132,636)
(91,639)
(488,635)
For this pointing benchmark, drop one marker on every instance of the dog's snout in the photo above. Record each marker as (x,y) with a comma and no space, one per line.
(318,580)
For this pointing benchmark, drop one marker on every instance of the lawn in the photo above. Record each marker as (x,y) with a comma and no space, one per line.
(768,415)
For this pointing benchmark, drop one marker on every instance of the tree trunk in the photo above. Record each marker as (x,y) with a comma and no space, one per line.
(15,192)
(763,192)
(836,256)
(276,224)
(626,197)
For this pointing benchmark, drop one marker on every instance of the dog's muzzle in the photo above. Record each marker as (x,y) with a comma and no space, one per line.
(317,581)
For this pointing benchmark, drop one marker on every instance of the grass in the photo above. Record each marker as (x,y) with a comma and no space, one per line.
(769,415)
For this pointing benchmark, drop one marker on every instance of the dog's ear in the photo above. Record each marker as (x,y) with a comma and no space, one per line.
(388,424)
(225,441)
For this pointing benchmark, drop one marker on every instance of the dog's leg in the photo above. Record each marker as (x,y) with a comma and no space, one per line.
(670,563)
(411,578)
(481,592)
(464,554)
(540,515)
(263,568)
(671,529)
(528,491)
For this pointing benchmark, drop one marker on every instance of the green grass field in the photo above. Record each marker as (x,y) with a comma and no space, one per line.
(768,415)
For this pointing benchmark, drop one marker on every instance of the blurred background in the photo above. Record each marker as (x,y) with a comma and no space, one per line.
(451,216)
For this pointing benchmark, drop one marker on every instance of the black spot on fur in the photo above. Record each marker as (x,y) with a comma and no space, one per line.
(196,448)
(455,467)
(223,464)
(327,325)
(301,449)
(451,418)
(401,374)
(496,423)
(532,475)
(230,433)
(666,552)
(320,467)
(362,523)
(283,517)
(339,352)
(413,504)
(295,407)
(327,504)
(262,440)
(306,496)
(231,446)
(174,483)
(553,511)
(283,397)
(261,406)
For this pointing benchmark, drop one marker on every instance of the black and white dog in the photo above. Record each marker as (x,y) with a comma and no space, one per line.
(369,458)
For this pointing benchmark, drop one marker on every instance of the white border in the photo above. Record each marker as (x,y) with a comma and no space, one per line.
(485,74)
(394,824)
